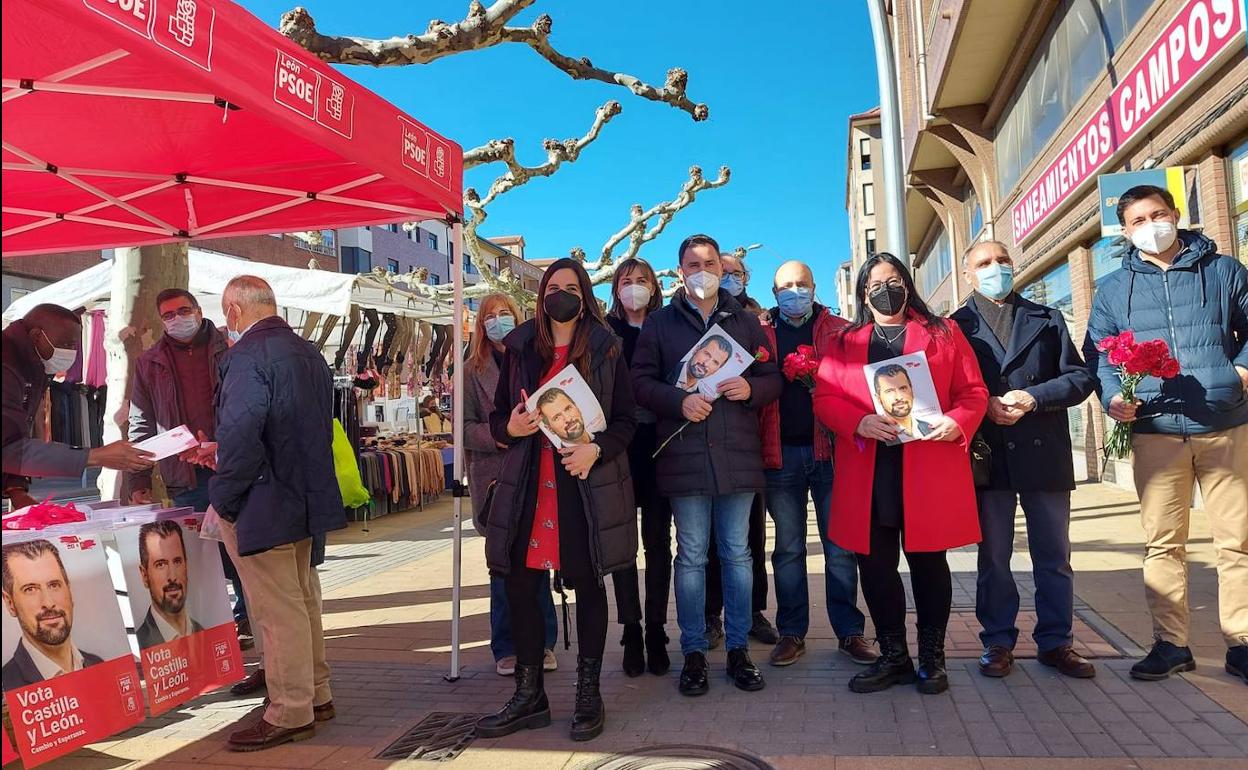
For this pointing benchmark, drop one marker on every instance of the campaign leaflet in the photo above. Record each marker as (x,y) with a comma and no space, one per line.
(182,619)
(902,390)
(715,357)
(69,677)
(568,411)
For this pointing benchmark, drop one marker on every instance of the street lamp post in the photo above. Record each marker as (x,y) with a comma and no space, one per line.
(890,129)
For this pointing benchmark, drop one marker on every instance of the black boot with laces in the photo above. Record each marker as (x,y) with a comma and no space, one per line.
(590,715)
(931,675)
(892,667)
(528,708)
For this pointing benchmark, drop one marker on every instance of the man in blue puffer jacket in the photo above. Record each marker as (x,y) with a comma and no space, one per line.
(1174,286)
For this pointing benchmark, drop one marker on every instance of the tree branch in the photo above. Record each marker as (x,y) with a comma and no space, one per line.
(481,28)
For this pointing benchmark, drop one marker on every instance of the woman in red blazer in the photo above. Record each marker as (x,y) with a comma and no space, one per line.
(888,496)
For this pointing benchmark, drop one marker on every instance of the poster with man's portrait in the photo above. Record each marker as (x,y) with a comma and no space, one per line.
(903,391)
(567,409)
(715,358)
(182,619)
(69,677)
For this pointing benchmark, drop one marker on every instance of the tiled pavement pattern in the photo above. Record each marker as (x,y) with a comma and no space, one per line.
(388,630)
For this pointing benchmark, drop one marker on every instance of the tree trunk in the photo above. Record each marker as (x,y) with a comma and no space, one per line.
(133,325)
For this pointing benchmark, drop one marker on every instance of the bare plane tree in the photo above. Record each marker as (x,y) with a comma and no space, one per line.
(485,27)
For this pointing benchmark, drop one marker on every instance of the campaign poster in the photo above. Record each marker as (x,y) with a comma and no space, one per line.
(903,391)
(182,619)
(716,357)
(69,677)
(568,411)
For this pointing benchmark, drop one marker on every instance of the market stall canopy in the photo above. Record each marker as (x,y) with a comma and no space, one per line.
(312,291)
(135,122)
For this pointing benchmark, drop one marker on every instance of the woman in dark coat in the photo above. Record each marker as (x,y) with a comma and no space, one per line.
(569,509)
(497,315)
(634,295)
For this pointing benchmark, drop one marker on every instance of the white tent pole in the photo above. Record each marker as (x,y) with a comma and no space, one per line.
(457,447)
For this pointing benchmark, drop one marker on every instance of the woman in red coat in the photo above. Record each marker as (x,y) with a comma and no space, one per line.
(903,479)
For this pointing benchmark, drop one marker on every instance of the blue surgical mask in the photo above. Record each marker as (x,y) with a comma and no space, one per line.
(499,326)
(996,281)
(732,284)
(795,302)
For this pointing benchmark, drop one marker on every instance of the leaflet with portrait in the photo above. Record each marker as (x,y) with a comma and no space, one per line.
(902,390)
(714,358)
(567,409)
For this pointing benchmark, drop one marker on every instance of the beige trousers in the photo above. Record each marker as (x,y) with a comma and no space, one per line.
(284,604)
(1165,467)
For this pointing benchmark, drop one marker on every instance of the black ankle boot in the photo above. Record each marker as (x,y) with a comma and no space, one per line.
(590,716)
(892,667)
(657,658)
(931,675)
(634,650)
(528,708)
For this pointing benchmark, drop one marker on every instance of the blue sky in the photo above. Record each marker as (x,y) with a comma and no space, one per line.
(780,83)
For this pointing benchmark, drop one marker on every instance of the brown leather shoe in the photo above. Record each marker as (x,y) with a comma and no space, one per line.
(858,649)
(787,651)
(1067,662)
(263,735)
(997,661)
(253,683)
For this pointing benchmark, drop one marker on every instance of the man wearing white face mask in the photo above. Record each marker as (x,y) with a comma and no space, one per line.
(1034,373)
(42,344)
(1174,286)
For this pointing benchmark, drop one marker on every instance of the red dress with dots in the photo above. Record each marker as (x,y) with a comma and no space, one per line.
(543,551)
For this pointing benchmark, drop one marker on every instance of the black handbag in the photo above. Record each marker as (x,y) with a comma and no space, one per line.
(981,461)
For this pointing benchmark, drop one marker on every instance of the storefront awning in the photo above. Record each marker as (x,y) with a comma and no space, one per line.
(136,122)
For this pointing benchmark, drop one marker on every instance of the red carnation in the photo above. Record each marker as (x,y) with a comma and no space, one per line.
(1134,362)
(762,354)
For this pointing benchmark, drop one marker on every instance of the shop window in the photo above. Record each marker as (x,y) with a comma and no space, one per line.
(1107,256)
(868,199)
(1053,289)
(1238,175)
(1073,55)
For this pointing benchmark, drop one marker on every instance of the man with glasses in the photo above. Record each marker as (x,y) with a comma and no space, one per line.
(174,382)
(37,347)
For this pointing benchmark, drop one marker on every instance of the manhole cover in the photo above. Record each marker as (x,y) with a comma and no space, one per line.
(678,758)
(439,737)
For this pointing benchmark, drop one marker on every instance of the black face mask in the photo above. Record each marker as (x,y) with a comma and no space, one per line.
(562,306)
(888,300)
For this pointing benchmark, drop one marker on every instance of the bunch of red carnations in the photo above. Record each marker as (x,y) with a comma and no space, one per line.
(1135,361)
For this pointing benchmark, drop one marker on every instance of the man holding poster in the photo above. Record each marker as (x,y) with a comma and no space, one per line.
(37,593)
(163,567)
(713,470)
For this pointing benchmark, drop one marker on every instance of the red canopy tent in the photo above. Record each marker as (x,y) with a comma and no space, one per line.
(137,122)
(134,122)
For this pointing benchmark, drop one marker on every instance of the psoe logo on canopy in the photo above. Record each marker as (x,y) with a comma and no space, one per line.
(182,27)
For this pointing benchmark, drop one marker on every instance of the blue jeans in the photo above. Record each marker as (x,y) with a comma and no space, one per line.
(197,499)
(788,490)
(501,643)
(731,516)
(1048,537)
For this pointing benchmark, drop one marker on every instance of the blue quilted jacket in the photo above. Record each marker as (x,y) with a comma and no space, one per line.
(1200,308)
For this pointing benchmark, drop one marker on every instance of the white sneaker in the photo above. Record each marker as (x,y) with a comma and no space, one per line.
(548,661)
(505,666)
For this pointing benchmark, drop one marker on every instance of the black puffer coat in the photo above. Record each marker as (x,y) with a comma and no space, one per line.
(723,454)
(606,496)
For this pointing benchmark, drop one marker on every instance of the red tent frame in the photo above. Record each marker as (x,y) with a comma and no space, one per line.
(135,122)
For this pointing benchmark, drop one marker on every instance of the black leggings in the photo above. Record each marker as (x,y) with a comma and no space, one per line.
(528,629)
(656,539)
(885,595)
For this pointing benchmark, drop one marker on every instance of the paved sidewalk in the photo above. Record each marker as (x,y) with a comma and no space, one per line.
(387,620)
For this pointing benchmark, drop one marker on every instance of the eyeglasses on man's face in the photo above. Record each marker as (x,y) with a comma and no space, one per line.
(181,312)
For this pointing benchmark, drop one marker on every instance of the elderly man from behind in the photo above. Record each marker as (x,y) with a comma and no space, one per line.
(275,489)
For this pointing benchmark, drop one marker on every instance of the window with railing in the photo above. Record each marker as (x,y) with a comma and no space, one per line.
(1075,52)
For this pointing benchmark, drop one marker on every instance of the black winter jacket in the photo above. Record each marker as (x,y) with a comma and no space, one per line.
(275,466)
(723,454)
(607,495)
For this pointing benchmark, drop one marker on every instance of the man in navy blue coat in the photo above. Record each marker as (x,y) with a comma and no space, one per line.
(275,490)
(1034,374)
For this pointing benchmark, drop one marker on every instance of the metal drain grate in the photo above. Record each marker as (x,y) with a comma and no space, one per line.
(439,737)
(678,758)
